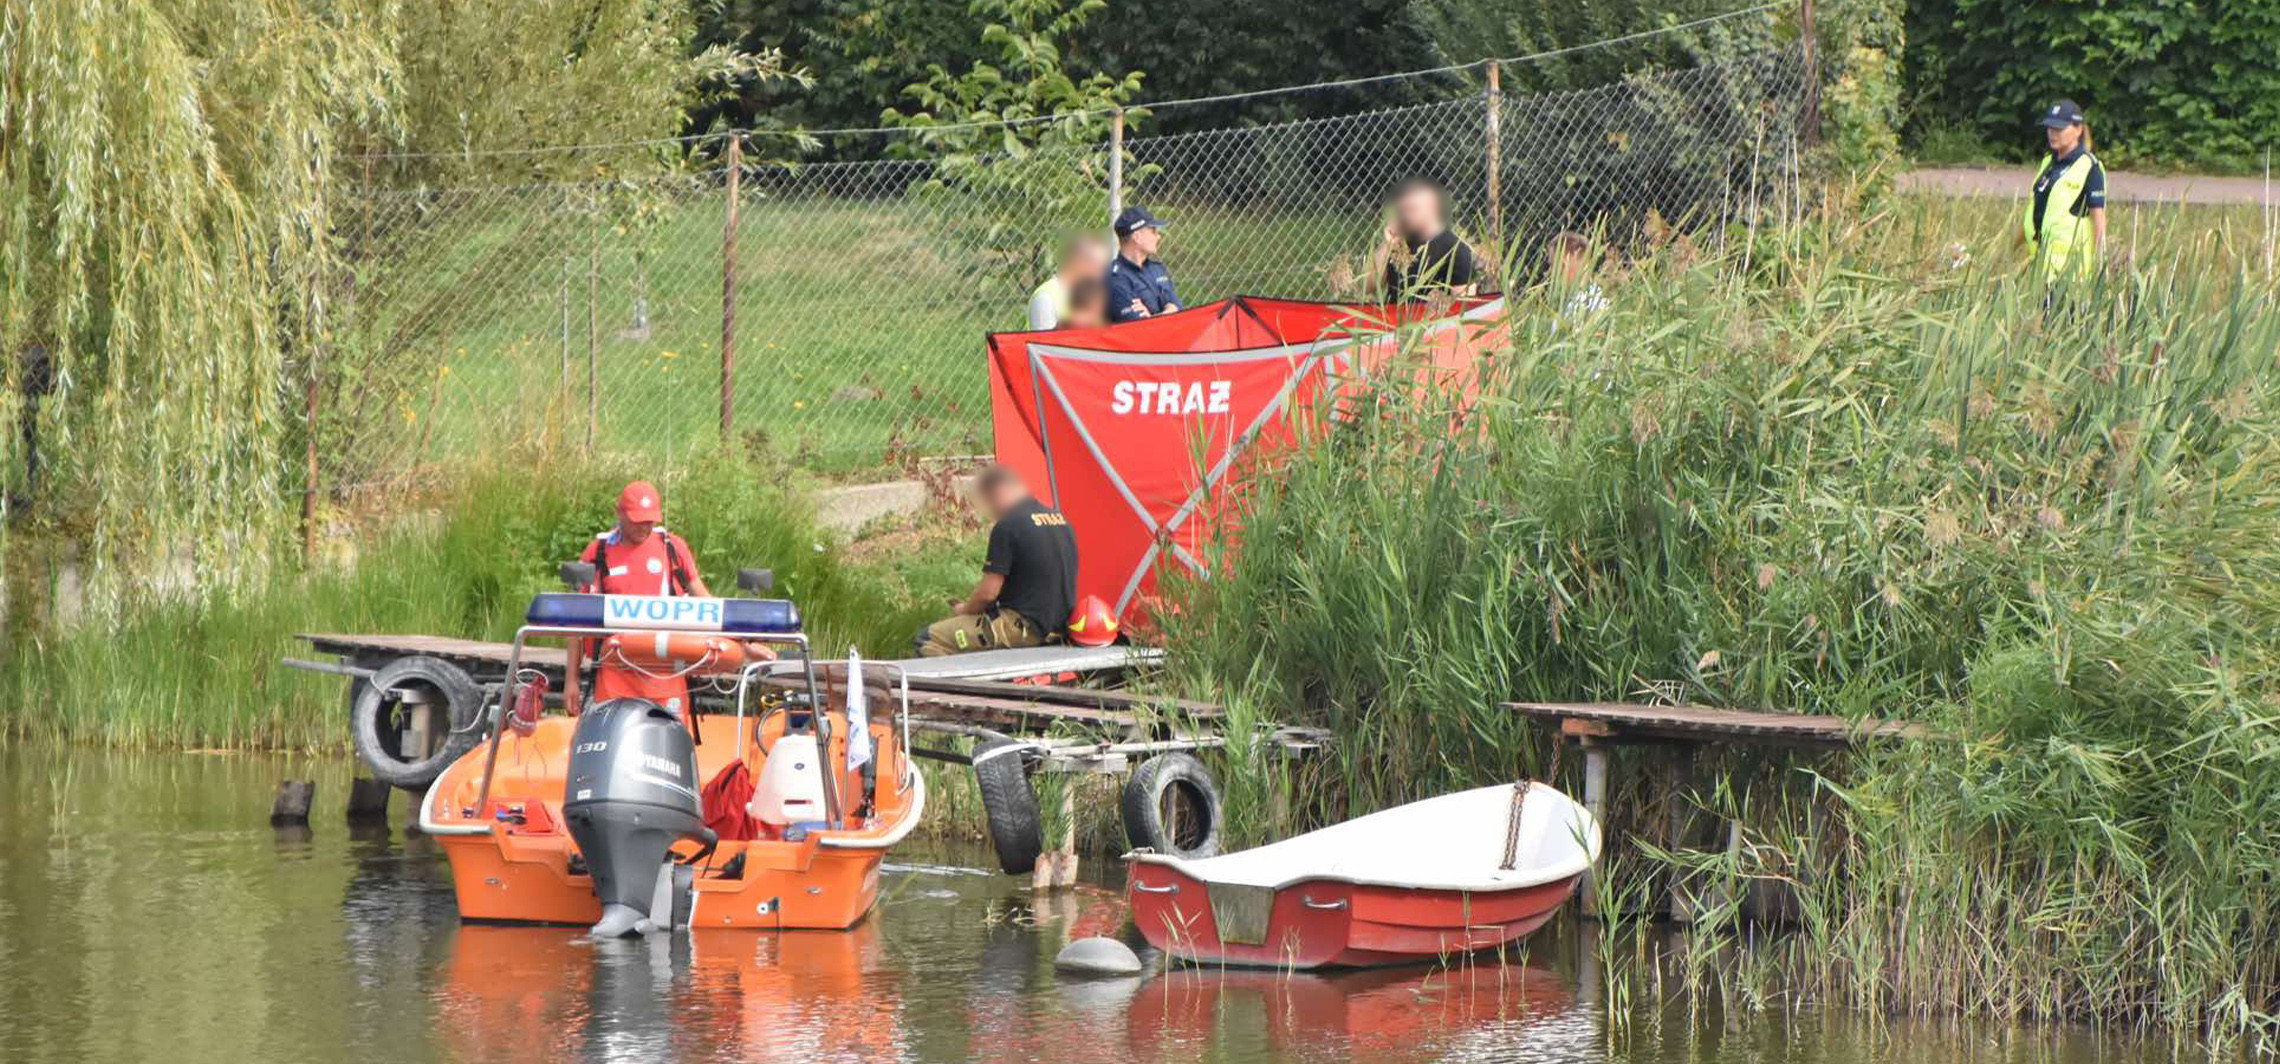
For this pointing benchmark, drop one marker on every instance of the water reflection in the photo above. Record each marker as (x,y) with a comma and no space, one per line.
(149,912)
(1472,1012)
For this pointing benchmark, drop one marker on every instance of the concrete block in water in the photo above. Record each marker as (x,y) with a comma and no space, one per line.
(1097,956)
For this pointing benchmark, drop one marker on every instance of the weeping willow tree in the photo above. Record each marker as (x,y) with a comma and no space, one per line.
(171,276)
(163,240)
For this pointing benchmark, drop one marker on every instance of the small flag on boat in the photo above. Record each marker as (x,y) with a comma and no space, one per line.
(858,714)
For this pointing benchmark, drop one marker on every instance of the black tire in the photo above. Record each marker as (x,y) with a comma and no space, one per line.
(1010,802)
(1171,806)
(377,723)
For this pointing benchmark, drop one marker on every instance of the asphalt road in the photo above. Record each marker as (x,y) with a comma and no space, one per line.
(2016,182)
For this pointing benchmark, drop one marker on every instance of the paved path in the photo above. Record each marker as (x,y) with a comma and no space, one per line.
(2014,183)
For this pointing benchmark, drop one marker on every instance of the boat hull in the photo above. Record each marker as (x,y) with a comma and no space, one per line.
(514,860)
(783,886)
(1330,923)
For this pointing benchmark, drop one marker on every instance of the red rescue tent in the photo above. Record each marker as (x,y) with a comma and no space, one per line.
(1140,432)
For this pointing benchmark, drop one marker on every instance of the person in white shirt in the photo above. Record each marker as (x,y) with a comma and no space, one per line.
(1086,256)
(1573,261)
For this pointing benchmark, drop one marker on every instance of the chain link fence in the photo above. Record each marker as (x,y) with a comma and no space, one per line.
(593,315)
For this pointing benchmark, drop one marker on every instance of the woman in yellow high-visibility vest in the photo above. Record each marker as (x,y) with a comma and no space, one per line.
(2065,223)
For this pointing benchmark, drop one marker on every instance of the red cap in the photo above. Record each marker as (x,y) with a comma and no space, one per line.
(638,502)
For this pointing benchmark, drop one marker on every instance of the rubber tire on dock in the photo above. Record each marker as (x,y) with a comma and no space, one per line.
(378,736)
(1016,828)
(1172,777)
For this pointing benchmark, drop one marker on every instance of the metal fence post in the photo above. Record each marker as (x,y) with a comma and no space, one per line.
(593,323)
(1495,159)
(1811,120)
(728,292)
(309,490)
(562,389)
(1116,166)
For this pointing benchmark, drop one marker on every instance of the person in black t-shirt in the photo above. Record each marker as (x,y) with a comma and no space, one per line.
(1420,258)
(1029,578)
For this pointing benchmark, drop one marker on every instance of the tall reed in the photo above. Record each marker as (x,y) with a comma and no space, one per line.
(205,670)
(1875,471)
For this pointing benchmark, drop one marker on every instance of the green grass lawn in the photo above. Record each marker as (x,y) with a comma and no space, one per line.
(859,337)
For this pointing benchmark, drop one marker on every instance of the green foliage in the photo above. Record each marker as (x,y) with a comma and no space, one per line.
(163,258)
(1860,45)
(859,52)
(480,78)
(176,264)
(864,51)
(1020,146)
(205,672)
(1197,48)
(1848,476)
(1463,31)
(2194,83)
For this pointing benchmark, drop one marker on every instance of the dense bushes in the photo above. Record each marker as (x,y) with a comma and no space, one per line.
(2190,84)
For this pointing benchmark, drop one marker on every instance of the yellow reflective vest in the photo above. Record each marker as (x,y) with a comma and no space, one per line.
(2067,244)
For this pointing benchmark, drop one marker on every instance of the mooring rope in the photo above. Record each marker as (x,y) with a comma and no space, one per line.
(1520,805)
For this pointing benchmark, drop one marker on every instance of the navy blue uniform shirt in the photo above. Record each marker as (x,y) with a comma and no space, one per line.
(1151,284)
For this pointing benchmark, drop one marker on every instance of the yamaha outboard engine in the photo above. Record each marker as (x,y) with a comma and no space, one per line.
(632,795)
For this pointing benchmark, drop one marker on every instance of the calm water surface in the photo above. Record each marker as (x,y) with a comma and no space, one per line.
(149,913)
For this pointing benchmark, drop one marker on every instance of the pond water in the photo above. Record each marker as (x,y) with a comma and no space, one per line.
(148,912)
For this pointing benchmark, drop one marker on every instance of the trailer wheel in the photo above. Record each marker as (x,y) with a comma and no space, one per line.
(380,724)
(1171,806)
(1016,829)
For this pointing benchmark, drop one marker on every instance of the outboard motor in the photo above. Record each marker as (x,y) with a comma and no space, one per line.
(632,795)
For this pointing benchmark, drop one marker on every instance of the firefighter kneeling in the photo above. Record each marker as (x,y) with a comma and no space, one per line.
(1028,592)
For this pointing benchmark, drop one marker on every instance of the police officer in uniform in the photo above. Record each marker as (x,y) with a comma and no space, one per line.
(2065,223)
(1029,578)
(1138,284)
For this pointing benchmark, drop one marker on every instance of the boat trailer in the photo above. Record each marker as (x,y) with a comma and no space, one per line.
(417,702)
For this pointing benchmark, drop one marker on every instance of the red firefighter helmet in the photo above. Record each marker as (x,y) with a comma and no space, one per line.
(1092,624)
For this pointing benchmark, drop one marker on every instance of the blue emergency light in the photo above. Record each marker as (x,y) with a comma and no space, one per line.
(676,612)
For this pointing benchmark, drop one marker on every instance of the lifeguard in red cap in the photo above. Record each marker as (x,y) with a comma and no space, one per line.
(639,557)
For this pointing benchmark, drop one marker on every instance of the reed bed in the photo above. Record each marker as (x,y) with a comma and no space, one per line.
(1862,465)
(203,671)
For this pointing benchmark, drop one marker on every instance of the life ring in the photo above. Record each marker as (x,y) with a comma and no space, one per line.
(1171,806)
(1010,804)
(380,721)
(674,653)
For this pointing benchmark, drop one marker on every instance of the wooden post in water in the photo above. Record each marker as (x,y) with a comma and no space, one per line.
(367,800)
(291,806)
(1595,800)
(728,294)
(1495,160)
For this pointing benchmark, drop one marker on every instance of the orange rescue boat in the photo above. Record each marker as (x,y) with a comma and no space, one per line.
(629,818)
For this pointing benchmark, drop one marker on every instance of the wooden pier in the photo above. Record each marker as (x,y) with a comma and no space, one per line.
(1597,726)
(979,690)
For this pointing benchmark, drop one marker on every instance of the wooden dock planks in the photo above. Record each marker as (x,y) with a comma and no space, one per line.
(1617,721)
(1020,708)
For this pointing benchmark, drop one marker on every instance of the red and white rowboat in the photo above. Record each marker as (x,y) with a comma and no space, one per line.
(1417,882)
